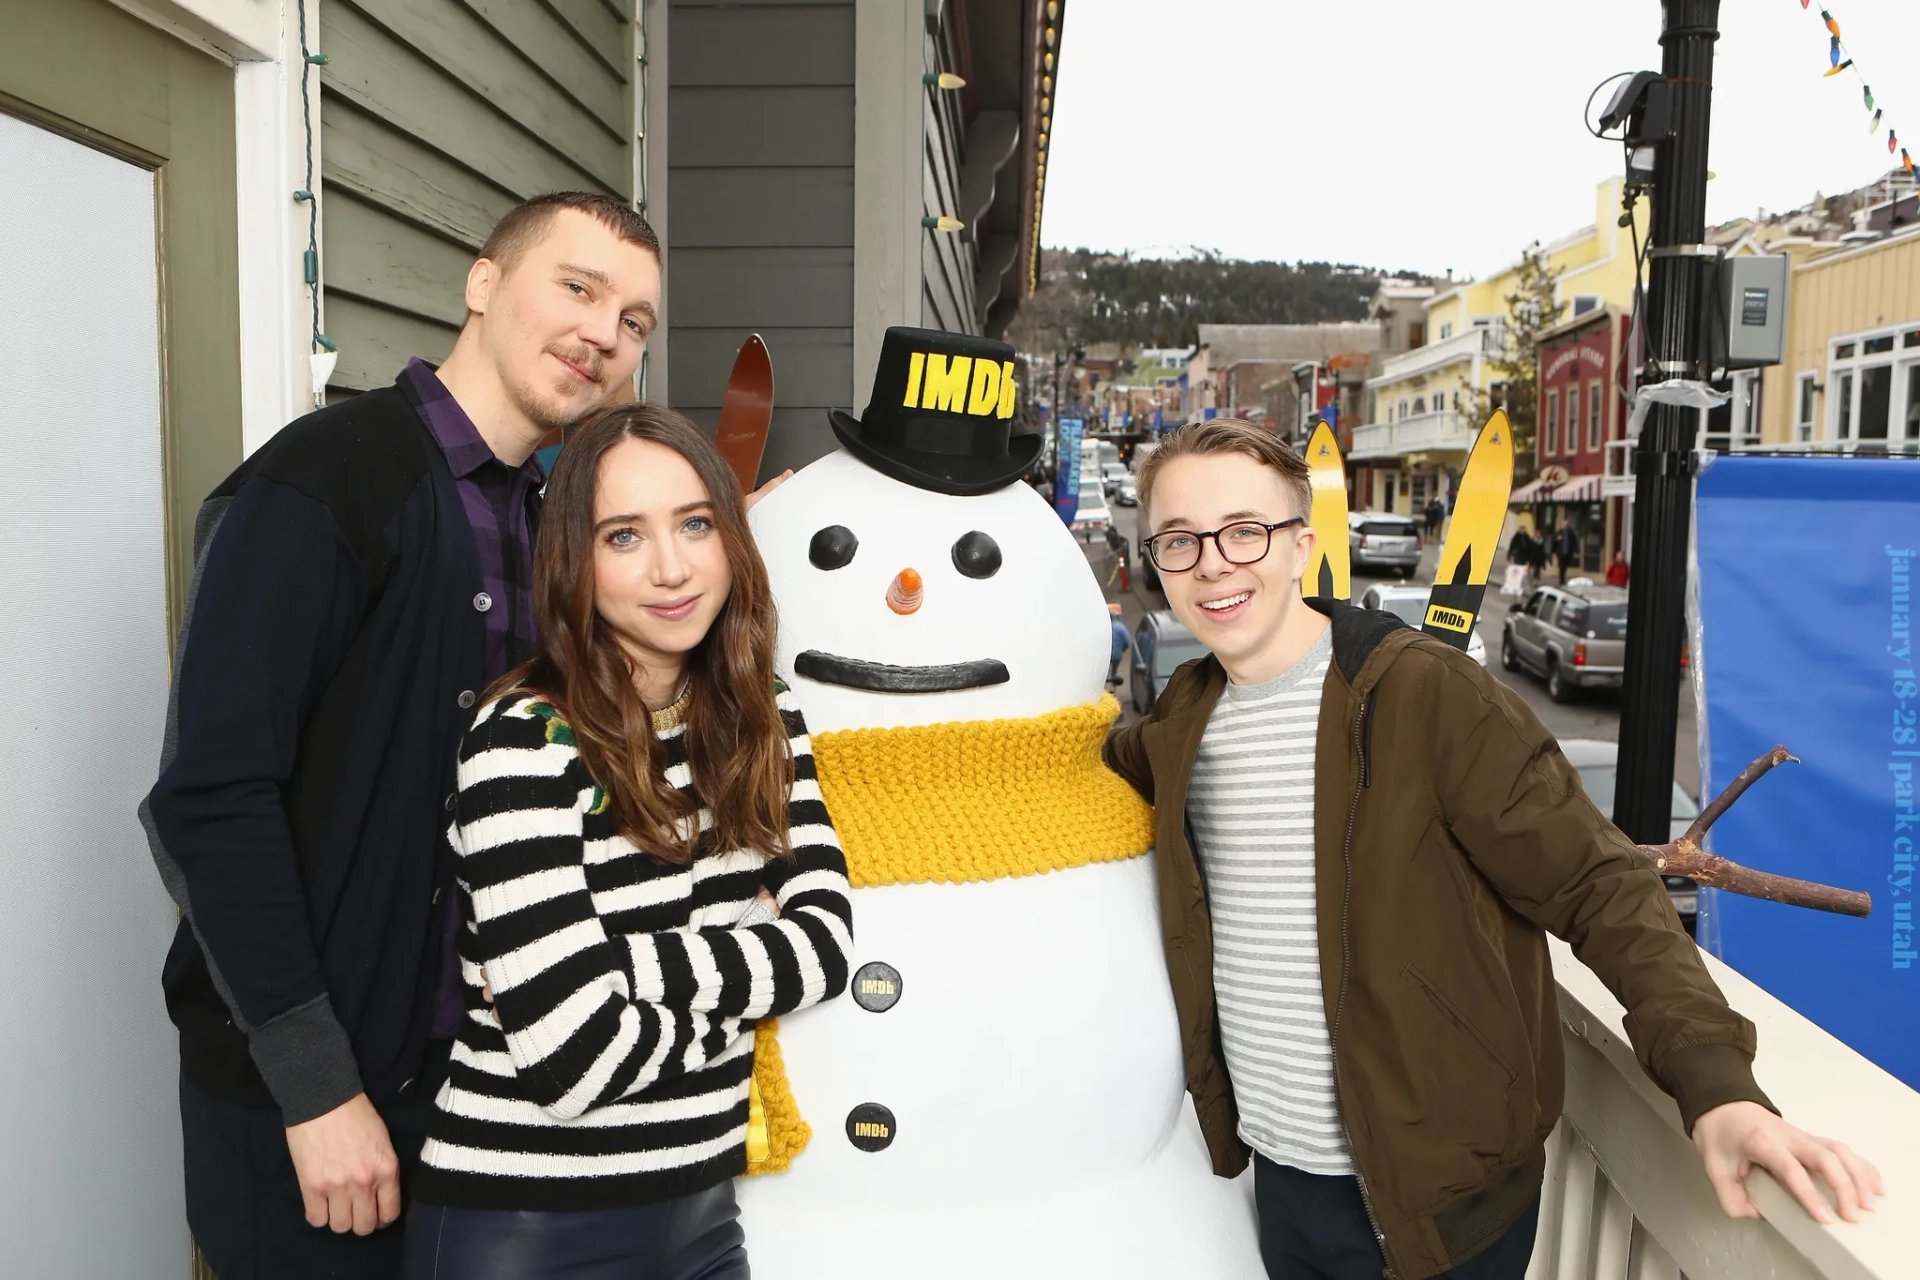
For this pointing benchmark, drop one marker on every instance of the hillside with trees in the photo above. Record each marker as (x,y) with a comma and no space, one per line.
(1087,296)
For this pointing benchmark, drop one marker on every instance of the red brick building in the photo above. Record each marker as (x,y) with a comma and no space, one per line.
(1581,411)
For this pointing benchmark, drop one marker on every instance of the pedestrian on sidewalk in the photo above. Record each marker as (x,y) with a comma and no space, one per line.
(1520,550)
(1537,556)
(1121,643)
(1617,572)
(1364,839)
(1566,548)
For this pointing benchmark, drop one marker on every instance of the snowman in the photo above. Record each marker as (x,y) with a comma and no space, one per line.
(1001,1093)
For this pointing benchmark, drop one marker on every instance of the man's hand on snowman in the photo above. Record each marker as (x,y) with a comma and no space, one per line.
(767,488)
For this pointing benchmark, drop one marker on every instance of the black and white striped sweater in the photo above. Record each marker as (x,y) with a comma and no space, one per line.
(612,1067)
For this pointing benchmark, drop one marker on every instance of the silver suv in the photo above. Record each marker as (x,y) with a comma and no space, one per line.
(1573,637)
(1377,540)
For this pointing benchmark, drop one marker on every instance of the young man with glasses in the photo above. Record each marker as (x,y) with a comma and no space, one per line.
(1364,840)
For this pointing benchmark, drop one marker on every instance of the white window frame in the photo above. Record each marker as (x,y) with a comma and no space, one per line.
(1596,416)
(1748,405)
(1806,388)
(1845,373)
(1574,433)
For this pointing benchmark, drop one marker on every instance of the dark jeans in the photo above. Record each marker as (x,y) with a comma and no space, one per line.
(695,1237)
(1314,1227)
(243,1200)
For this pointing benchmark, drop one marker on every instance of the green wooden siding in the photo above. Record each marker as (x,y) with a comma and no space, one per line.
(947,258)
(437,116)
(760,210)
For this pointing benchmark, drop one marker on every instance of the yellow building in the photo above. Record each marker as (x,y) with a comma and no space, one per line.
(1420,423)
(1851,379)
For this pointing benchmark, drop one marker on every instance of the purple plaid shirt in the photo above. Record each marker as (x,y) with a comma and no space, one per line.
(499,504)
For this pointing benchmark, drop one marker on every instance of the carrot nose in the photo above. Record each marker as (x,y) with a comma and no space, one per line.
(904,592)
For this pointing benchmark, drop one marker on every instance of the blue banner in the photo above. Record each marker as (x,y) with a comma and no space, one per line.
(1066,470)
(1806,570)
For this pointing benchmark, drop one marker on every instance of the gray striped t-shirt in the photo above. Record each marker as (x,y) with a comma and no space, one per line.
(1251,804)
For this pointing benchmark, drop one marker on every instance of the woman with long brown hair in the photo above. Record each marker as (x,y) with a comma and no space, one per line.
(646,871)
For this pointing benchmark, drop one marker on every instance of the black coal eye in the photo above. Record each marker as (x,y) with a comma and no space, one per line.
(833,547)
(976,555)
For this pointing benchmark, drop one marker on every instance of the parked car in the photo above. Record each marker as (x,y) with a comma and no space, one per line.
(1159,647)
(1408,602)
(1574,638)
(1594,761)
(1125,494)
(1094,516)
(1379,541)
(1111,474)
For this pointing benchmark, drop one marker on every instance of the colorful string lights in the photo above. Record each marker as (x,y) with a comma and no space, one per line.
(1838,60)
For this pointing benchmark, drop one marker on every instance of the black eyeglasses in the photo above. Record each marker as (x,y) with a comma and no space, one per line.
(1242,542)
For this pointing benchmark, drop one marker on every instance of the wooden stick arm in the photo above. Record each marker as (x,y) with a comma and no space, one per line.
(1682,857)
(1685,857)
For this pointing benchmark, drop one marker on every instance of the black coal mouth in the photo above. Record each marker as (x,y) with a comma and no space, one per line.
(882,677)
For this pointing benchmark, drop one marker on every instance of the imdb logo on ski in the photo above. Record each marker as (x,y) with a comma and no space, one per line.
(1438,615)
(960,384)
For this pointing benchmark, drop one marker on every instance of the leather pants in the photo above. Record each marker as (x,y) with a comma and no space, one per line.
(694,1237)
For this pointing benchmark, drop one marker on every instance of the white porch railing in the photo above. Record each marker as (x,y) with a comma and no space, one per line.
(1626,1197)
(1480,340)
(1420,433)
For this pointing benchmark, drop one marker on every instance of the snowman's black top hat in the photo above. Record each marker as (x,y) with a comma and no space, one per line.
(941,416)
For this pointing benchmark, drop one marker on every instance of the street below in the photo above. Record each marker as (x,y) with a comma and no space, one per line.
(1594,715)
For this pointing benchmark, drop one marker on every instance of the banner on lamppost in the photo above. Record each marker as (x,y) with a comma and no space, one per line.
(1066,469)
(1804,637)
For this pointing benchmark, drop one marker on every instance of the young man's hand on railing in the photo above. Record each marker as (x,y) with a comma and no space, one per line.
(1736,1137)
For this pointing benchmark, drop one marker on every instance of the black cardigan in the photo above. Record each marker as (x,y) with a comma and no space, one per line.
(328,664)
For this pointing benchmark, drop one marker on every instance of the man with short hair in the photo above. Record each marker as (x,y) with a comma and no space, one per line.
(1364,839)
(1566,548)
(358,582)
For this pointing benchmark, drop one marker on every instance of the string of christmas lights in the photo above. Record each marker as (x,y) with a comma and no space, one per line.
(1838,60)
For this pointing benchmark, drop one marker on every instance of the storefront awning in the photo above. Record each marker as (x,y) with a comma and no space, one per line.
(1574,489)
(1580,489)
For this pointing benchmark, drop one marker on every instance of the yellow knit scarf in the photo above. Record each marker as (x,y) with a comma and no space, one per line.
(980,799)
(950,803)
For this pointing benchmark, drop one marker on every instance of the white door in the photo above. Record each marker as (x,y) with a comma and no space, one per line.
(89,1114)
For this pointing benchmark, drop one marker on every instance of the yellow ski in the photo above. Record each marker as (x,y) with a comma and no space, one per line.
(1328,573)
(1479,511)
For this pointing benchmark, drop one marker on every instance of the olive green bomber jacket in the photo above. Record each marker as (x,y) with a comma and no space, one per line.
(1451,835)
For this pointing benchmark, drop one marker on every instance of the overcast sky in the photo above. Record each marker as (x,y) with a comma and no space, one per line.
(1428,135)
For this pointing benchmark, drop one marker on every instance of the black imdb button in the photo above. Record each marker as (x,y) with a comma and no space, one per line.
(870,1127)
(876,987)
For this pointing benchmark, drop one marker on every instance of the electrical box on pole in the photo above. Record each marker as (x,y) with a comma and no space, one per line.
(1751,328)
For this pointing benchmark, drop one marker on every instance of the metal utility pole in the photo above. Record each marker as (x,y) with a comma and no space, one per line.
(1676,323)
